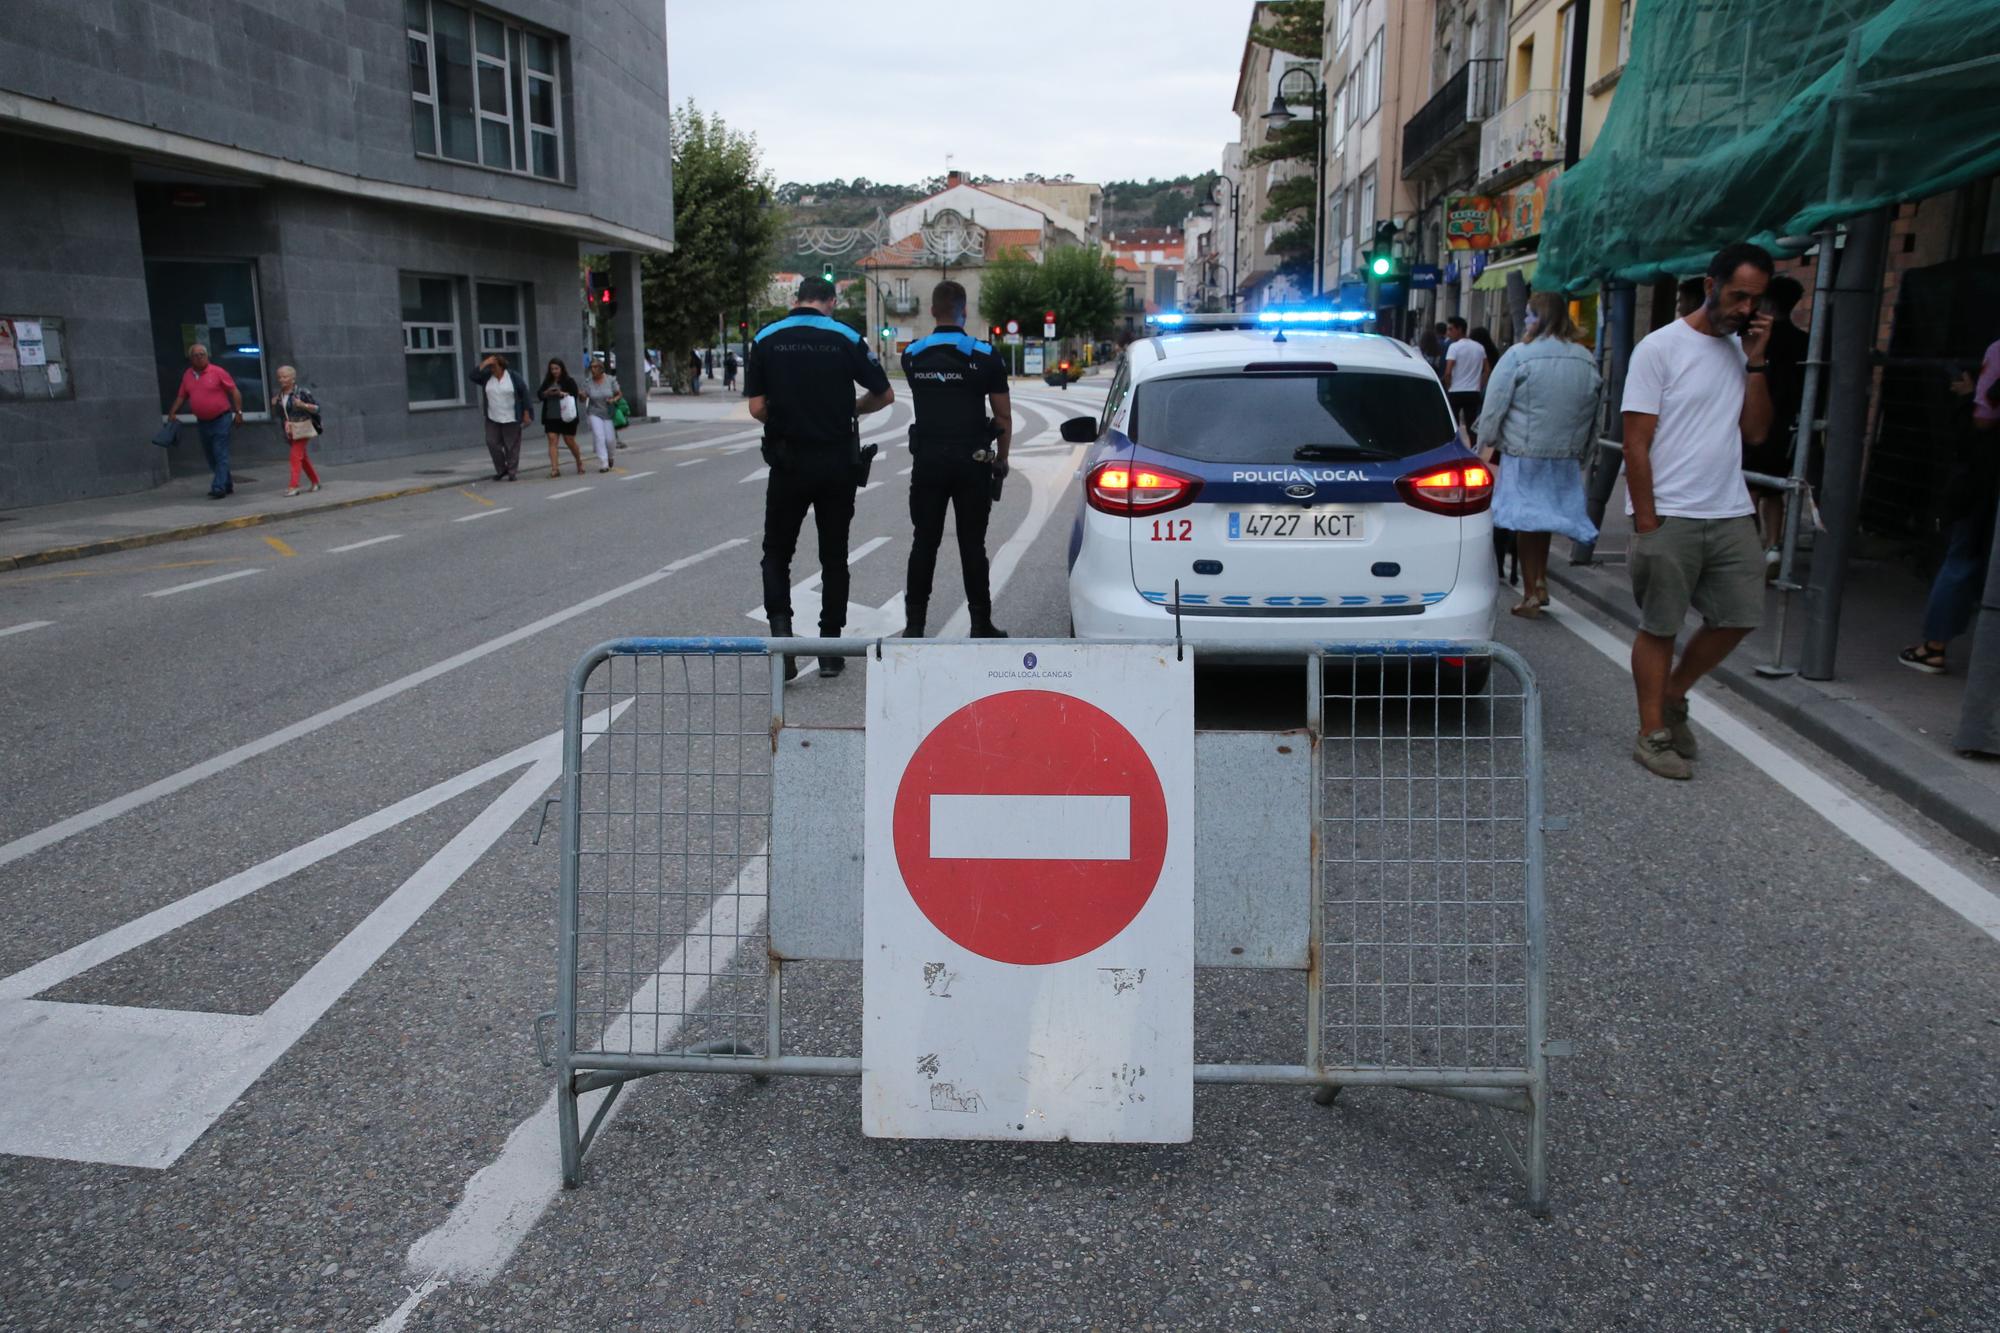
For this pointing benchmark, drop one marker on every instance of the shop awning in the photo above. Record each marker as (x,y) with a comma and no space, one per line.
(1494,279)
(1751,120)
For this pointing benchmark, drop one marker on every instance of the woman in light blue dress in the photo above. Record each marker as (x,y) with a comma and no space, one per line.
(1538,419)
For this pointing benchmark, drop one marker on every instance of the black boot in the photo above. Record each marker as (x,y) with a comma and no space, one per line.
(829,667)
(781,628)
(913,622)
(984,628)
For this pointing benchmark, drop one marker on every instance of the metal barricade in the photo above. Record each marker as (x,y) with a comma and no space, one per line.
(1394,857)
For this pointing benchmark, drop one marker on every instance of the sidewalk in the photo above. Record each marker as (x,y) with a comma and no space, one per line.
(181,509)
(1891,724)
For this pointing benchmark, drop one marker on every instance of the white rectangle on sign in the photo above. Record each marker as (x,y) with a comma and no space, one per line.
(1031,828)
(211,314)
(1028,893)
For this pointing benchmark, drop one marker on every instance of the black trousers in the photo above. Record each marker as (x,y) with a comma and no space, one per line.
(966,487)
(822,481)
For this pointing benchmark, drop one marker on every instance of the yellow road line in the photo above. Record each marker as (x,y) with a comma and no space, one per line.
(475,495)
(100,573)
(278,544)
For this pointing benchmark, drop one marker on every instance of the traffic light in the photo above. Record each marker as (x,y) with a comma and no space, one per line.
(1383,263)
(888,332)
(607,301)
(826,271)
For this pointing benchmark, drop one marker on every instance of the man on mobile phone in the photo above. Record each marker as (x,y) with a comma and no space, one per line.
(1695,391)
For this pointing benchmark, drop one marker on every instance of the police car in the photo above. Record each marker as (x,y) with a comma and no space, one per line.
(1297,480)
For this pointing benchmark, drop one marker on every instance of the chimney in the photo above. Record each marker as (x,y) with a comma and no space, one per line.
(953,178)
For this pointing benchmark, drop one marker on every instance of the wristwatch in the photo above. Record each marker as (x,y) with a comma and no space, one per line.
(1757,369)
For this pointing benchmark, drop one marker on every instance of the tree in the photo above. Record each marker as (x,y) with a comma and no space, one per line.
(1082,288)
(1297,30)
(725,233)
(1010,288)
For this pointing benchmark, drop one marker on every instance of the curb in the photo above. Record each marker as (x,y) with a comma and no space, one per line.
(109,545)
(1851,732)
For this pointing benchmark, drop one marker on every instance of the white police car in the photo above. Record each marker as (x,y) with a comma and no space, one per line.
(1298,482)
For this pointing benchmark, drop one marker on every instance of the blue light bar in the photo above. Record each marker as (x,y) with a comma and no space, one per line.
(1312,316)
(1173,321)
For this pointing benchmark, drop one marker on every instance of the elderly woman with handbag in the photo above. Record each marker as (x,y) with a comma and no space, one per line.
(1538,420)
(298,411)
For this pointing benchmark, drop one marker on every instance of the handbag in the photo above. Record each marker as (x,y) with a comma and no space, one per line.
(621,415)
(300,430)
(566,407)
(168,435)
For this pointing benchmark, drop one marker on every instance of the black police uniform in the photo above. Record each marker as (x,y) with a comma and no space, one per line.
(950,375)
(805,367)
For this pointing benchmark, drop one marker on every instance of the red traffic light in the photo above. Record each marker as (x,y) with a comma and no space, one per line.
(1049,317)
(606,297)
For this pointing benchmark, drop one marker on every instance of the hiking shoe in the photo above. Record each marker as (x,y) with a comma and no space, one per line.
(1685,744)
(1655,750)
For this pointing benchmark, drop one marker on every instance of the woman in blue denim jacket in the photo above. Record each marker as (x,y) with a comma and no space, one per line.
(1541,413)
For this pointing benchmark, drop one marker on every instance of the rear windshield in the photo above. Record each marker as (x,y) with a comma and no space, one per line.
(1291,418)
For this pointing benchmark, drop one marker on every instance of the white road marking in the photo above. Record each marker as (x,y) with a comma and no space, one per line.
(128,1086)
(871,486)
(806,595)
(505,1199)
(1846,812)
(485,513)
(906,471)
(1031,828)
(690,462)
(203,583)
(29,844)
(564,495)
(372,541)
(25,626)
(758,475)
(634,476)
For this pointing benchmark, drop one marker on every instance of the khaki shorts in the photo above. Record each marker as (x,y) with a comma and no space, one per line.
(1715,565)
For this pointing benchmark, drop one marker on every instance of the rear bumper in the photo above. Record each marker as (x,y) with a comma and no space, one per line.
(1466,614)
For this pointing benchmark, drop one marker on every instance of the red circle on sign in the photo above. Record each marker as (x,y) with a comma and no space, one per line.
(1030,743)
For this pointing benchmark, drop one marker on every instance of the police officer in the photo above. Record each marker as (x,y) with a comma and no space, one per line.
(961,455)
(799,381)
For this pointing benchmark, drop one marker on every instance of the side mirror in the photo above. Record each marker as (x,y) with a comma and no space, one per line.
(1080,430)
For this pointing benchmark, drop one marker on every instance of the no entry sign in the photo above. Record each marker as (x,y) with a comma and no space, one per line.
(1028,923)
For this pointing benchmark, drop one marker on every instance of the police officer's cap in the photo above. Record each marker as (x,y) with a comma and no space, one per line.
(815,289)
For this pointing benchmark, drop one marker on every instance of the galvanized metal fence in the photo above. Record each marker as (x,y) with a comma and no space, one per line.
(1395,860)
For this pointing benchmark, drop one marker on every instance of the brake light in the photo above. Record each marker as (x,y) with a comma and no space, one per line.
(1126,489)
(1462,488)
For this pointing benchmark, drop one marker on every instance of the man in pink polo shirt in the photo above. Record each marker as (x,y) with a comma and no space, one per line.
(210,393)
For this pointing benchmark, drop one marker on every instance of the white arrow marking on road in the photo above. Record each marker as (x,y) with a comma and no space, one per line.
(758,475)
(204,583)
(806,595)
(25,627)
(372,541)
(131,1086)
(31,843)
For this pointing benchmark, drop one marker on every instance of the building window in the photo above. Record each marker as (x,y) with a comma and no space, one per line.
(1367,217)
(212,302)
(431,367)
(1566,24)
(483,90)
(502,327)
(1624,32)
(1372,69)
(1524,68)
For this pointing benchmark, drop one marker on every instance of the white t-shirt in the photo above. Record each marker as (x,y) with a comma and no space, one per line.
(1465,364)
(1694,384)
(500,404)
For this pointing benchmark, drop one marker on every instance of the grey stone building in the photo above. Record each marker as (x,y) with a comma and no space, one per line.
(374,191)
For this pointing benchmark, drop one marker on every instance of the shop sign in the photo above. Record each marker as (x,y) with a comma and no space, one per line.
(1468,222)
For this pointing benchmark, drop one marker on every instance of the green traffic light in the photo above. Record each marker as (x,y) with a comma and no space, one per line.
(1381,266)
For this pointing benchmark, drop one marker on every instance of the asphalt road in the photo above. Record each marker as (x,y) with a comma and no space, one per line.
(278,931)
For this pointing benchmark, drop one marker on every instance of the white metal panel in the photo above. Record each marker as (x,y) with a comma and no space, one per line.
(1018,997)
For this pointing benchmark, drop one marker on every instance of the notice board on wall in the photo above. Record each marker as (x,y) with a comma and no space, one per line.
(34,359)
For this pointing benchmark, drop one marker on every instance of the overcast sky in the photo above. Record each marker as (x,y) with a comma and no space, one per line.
(1101,89)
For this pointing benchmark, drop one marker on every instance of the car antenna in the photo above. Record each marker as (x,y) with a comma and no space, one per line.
(1178,648)
(1281,336)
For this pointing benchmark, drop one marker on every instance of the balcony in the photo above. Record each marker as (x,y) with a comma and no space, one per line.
(1467,98)
(1526,133)
(901,303)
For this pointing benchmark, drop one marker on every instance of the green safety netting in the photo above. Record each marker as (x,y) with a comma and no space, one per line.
(1759,119)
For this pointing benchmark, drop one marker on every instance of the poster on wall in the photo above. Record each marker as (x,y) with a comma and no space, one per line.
(212,314)
(1468,222)
(1520,211)
(28,342)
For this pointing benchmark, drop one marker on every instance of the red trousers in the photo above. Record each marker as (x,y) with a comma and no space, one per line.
(299,460)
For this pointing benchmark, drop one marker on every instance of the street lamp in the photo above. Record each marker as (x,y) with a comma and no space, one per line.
(1235,197)
(1279,116)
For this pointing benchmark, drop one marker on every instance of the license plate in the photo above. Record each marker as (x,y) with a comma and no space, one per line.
(1294,525)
